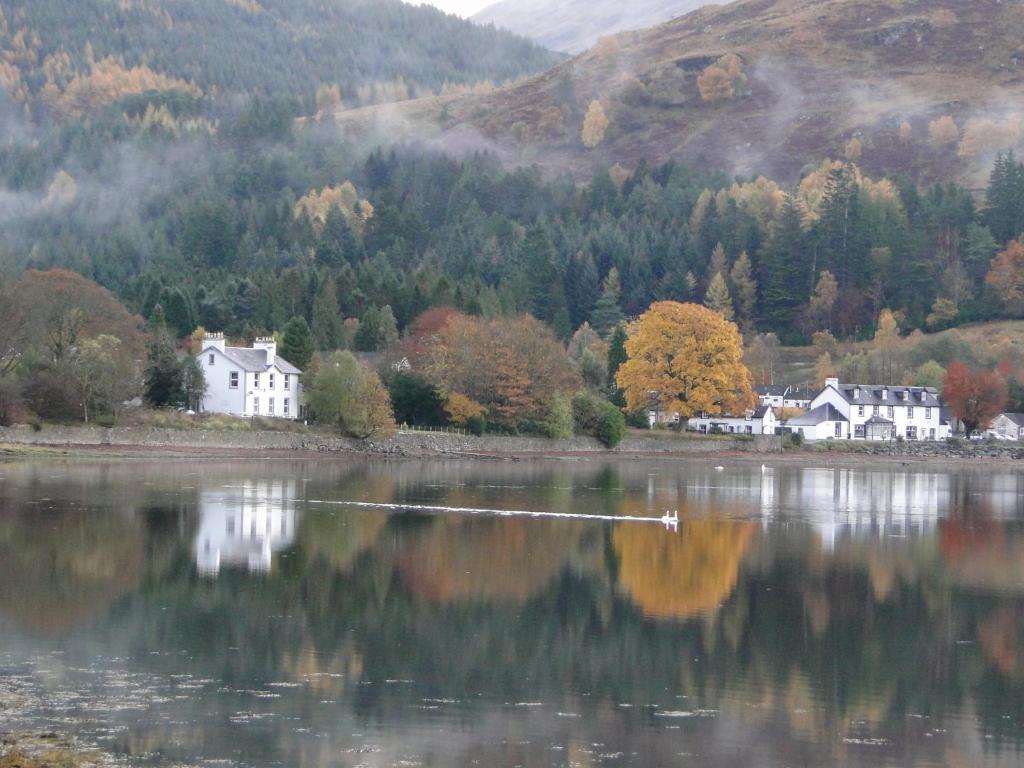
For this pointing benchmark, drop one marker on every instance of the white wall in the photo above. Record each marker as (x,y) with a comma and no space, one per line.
(220,397)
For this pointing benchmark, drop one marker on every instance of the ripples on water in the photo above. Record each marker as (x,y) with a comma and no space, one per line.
(241,614)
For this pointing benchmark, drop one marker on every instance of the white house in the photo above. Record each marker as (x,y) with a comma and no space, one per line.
(1009,426)
(877,412)
(821,423)
(758,422)
(245,381)
(785,396)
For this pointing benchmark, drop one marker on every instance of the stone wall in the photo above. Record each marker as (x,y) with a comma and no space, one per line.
(403,444)
(952,449)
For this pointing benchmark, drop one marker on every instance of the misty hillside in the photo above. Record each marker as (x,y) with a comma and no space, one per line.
(932,90)
(72,55)
(575,25)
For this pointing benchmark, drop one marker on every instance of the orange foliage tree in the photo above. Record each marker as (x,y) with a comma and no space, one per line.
(722,80)
(976,397)
(513,367)
(685,358)
(1006,277)
(423,331)
(52,311)
(676,577)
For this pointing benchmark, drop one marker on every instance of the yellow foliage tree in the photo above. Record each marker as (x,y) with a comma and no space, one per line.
(461,409)
(854,149)
(676,577)
(686,358)
(316,205)
(943,132)
(723,80)
(595,124)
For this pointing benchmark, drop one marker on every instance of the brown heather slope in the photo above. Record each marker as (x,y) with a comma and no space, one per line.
(818,73)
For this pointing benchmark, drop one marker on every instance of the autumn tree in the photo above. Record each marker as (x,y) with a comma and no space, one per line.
(103,374)
(422,333)
(686,358)
(976,396)
(1006,277)
(886,341)
(823,301)
(607,312)
(717,297)
(350,396)
(744,288)
(513,367)
(763,358)
(723,80)
(944,131)
(595,124)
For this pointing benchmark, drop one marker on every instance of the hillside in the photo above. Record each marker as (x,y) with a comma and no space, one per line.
(576,25)
(68,56)
(931,90)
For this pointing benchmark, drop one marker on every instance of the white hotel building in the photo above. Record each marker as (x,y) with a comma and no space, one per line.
(249,381)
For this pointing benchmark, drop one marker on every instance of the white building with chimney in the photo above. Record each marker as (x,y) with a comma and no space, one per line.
(873,412)
(249,381)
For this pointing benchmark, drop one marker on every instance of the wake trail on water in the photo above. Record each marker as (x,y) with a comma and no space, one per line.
(669,520)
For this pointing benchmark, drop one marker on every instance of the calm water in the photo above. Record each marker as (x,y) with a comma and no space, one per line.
(179,613)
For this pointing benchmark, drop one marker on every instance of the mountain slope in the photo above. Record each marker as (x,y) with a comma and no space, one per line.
(576,25)
(252,47)
(931,89)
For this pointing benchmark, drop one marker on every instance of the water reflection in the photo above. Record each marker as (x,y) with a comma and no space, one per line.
(245,525)
(800,616)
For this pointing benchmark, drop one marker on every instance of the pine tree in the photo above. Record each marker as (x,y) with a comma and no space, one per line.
(786,270)
(326,327)
(607,312)
(164,381)
(546,293)
(1004,212)
(616,356)
(297,344)
(718,299)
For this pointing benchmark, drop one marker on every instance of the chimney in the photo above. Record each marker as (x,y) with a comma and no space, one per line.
(885,393)
(834,383)
(214,341)
(268,345)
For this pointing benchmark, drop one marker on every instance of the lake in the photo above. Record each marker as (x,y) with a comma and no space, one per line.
(344,613)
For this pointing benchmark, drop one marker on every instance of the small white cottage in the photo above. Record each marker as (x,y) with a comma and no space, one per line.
(244,381)
(761,421)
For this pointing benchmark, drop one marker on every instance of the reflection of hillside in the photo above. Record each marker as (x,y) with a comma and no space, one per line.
(487,559)
(58,570)
(679,576)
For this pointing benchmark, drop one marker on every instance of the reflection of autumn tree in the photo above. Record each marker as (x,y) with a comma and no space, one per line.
(671,576)
(338,535)
(459,559)
(55,573)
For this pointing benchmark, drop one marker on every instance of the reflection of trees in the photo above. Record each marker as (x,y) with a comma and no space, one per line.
(670,576)
(486,559)
(56,570)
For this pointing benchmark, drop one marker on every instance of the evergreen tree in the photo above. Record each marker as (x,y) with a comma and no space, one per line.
(607,312)
(546,292)
(377,330)
(1004,212)
(326,326)
(297,343)
(164,379)
(786,269)
(718,298)
(616,356)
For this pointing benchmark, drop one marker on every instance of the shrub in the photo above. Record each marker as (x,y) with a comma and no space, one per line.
(611,427)
(559,422)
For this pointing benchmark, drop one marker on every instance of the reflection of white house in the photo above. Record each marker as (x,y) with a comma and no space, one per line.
(758,422)
(245,526)
(874,412)
(247,381)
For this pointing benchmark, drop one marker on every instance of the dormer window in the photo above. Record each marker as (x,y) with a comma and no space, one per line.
(856,393)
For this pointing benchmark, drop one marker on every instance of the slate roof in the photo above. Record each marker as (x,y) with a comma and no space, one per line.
(1016,418)
(878,420)
(772,390)
(871,394)
(255,360)
(801,393)
(820,415)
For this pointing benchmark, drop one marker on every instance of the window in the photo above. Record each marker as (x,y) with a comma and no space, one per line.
(891,411)
(927,414)
(874,410)
(233,380)
(931,433)
(256,406)
(211,359)
(911,433)
(287,382)
(839,429)
(860,410)
(270,407)
(858,431)
(910,412)
(286,403)
(256,380)
(271,381)
(750,430)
